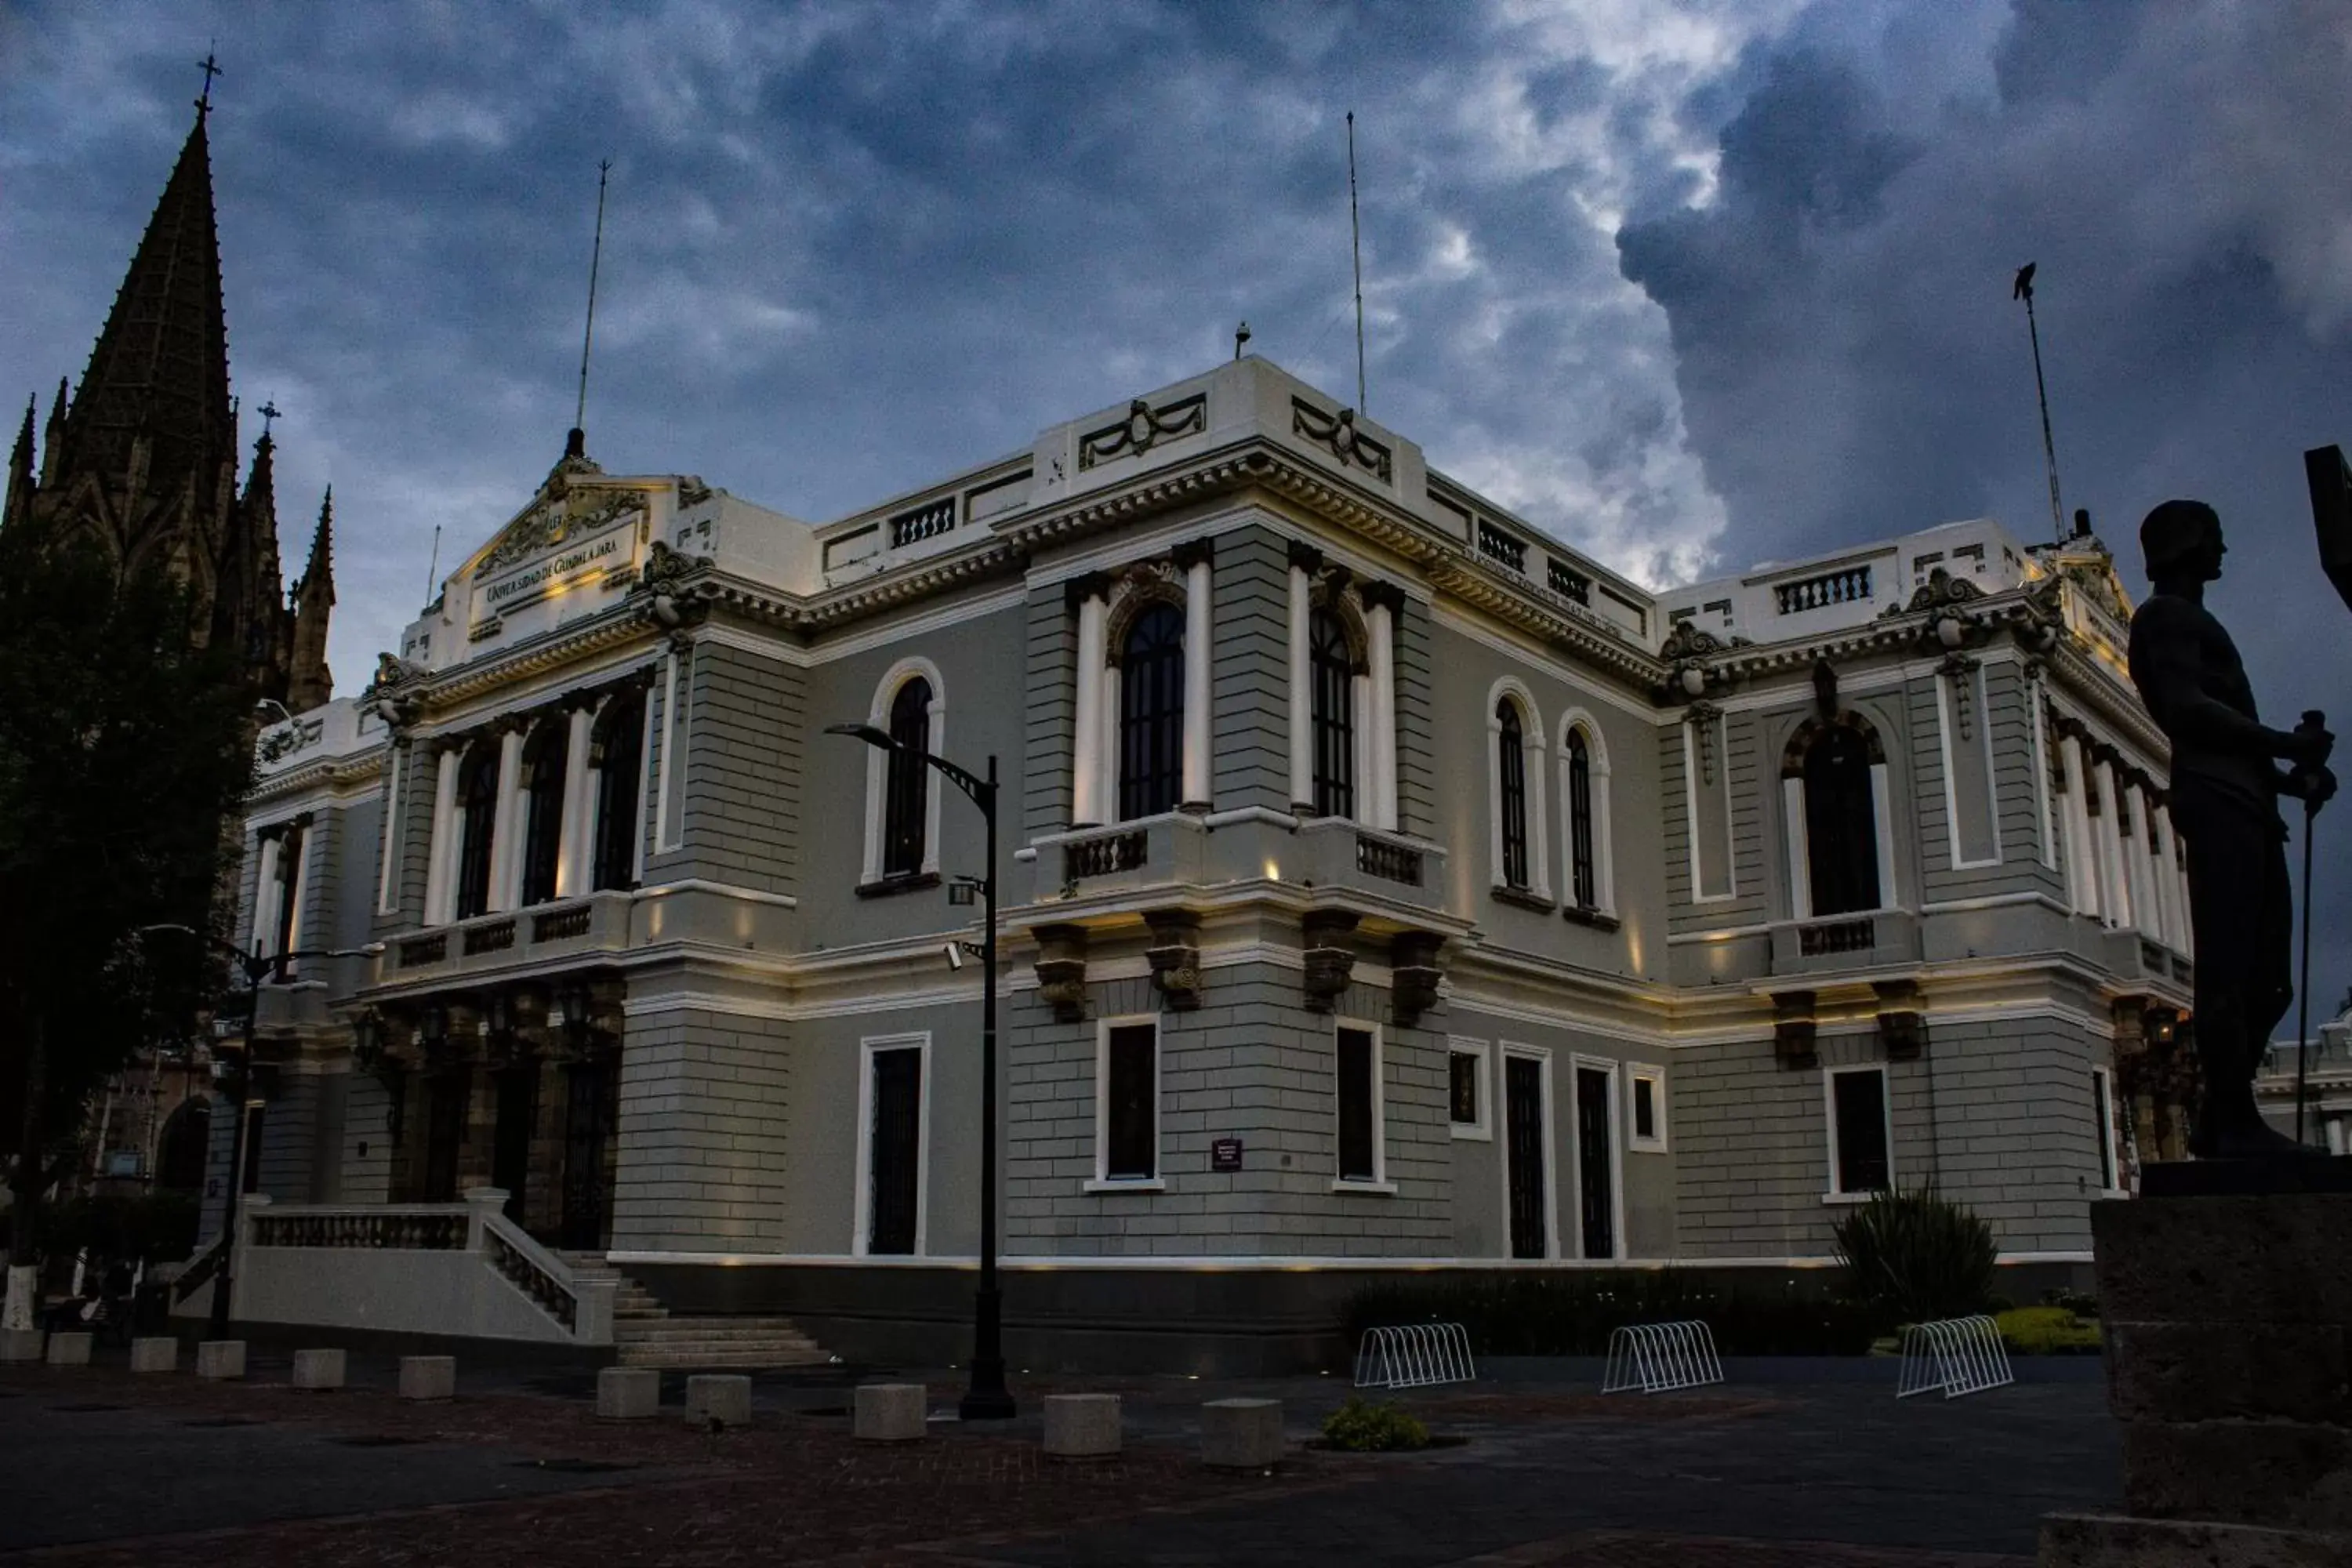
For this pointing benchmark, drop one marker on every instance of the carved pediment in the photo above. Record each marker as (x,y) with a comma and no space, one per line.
(562,509)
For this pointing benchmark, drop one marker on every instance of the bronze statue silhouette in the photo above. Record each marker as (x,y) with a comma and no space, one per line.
(2225,789)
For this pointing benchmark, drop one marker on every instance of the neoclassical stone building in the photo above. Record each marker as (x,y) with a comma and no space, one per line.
(1386,886)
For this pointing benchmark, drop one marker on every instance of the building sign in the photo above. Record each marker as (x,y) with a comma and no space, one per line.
(1226,1154)
(571,566)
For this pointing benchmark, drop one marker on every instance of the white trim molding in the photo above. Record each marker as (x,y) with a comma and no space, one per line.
(862,1200)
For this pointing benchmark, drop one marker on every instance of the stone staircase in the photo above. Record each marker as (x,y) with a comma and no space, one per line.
(648,1335)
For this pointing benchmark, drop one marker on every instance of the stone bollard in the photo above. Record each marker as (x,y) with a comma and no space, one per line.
(20,1344)
(628,1393)
(318,1369)
(1082,1426)
(70,1350)
(718,1399)
(160,1354)
(428,1377)
(1241,1434)
(220,1360)
(889,1412)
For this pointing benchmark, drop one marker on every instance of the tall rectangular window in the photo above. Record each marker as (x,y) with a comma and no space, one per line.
(1859,1153)
(1648,1087)
(1359,1087)
(1465,1074)
(1131,1103)
(2102,1108)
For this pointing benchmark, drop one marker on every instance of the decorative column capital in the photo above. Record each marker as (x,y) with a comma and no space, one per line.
(1305,557)
(1193,552)
(1088,585)
(1382,596)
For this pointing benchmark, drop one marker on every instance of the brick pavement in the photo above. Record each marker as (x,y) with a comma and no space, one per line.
(794,1488)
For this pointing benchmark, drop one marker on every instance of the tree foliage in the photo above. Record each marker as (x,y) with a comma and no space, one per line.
(124,752)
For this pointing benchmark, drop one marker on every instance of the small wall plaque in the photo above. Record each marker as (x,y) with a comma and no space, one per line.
(1226,1154)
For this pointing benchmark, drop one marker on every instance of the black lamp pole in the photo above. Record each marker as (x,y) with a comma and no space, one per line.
(987,1399)
(255,969)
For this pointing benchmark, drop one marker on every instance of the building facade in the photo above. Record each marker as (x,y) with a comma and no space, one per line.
(1385,885)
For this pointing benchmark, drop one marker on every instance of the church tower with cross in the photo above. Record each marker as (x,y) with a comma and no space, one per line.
(141,458)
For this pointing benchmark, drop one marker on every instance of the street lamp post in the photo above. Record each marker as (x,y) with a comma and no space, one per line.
(256,968)
(987,1399)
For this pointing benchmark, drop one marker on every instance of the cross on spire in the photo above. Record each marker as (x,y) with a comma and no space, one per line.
(269,413)
(211,68)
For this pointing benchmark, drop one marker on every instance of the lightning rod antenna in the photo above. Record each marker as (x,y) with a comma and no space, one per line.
(588,337)
(1356,244)
(433,567)
(2025,290)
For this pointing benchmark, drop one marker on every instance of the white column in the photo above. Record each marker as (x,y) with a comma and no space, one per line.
(1086,750)
(1198,702)
(1362,751)
(298,886)
(2178,871)
(1800,853)
(2163,876)
(396,770)
(1881,799)
(267,893)
(2140,871)
(2117,890)
(2042,778)
(2081,858)
(1382,627)
(444,839)
(1538,810)
(506,841)
(572,866)
(1302,693)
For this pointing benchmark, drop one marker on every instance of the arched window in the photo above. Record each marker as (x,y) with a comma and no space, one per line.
(1583,873)
(185,1147)
(1511,767)
(542,840)
(906,806)
(618,756)
(1331,668)
(477,801)
(1151,713)
(1841,821)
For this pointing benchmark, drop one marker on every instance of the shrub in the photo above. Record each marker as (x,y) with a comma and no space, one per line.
(159,1226)
(2047,1331)
(1915,1256)
(1564,1314)
(1361,1428)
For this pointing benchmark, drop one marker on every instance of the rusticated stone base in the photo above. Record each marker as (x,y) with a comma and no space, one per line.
(2105,1540)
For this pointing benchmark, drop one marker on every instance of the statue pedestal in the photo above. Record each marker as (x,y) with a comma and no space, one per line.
(2227,1304)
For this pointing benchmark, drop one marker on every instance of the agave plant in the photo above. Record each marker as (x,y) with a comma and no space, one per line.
(1917,1255)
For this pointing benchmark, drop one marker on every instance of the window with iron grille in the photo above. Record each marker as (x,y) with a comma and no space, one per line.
(1130,1130)
(619,757)
(1582,880)
(543,763)
(1463,1075)
(1858,1106)
(477,796)
(1332,673)
(1359,1106)
(1511,760)
(906,799)
(1152,714)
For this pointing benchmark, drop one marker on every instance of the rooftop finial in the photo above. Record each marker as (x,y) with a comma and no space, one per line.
(269,413)
(211,68)
(587,337)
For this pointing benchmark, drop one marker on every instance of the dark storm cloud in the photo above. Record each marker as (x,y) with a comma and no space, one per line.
(1850,360)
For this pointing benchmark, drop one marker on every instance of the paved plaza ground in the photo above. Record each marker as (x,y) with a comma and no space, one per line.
(1769,1471)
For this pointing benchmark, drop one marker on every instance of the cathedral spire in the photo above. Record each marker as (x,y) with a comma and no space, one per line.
(158,372)
(53,436)
(17,499)
(311,683)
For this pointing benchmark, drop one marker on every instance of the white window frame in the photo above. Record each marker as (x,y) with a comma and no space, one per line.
(1380,1184)
(1483,1129)
(1655,1077)
(1533,748)
(1604,870)
(1541,1057)
(1833,1193)
(878,765)
(2111,1148)
(1103,1182)
(862,1204)
(1614,1097)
